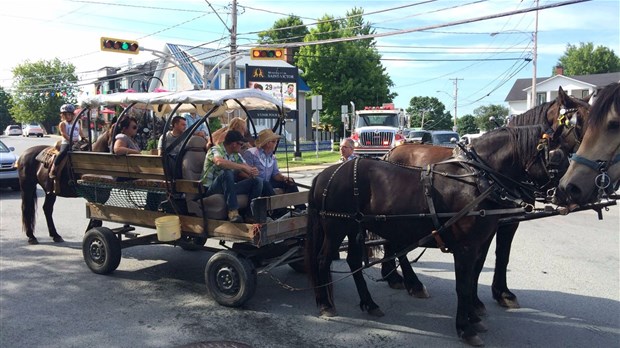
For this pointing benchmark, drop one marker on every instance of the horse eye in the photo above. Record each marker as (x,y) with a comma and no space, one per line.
(613,125)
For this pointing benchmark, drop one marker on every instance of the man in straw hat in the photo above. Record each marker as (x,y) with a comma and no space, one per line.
(221,164)
(263,158)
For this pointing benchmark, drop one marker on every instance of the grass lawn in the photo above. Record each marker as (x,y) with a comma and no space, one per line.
(307,158)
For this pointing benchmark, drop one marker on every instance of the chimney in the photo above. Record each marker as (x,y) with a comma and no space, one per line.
(559,70)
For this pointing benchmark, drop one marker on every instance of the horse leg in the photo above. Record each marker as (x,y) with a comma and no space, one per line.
(479,307)
(29,207)
(389,271)
(499,288)
(321,271)
(414,286)
(354,259)
(468,323)
(48,209)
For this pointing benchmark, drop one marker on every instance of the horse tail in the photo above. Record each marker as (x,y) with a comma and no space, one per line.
(27,166)
(316,247)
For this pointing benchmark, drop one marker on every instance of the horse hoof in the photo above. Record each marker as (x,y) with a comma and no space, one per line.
(474,340)
(377,312)
(397,285)
(419,293)
(33,241)
(328,312)
(480,327)
(508,300)
(58,239)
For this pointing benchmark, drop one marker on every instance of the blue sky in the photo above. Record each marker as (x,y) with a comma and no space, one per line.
(421,63)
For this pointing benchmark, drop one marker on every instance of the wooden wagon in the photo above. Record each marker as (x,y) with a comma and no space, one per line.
(138,190)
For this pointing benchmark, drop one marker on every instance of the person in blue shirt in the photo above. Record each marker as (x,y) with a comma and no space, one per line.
(192,118)
(262,157)
(346,150)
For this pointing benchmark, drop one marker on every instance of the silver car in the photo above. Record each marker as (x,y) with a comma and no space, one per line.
(8,171)
(13,129)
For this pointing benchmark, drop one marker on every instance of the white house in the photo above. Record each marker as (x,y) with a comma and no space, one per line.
(519,97)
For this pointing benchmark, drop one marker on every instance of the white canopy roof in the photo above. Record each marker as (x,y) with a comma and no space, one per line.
(204,100)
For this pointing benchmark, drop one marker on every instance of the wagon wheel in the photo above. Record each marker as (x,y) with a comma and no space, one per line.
(230,278)
(101,250)
(192,243)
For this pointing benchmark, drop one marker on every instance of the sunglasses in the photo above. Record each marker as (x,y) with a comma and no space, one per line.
(346,147)
(240,143)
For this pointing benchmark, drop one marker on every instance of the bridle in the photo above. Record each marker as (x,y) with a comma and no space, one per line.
(602,180)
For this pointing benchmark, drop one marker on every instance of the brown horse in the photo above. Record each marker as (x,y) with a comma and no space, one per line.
(33,173)
(399,204)
(564,118)
(595,168)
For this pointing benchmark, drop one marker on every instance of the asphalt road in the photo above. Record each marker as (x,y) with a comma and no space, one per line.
(564,269)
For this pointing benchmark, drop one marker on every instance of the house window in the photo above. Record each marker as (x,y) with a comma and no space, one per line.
(172,81)
(541,98)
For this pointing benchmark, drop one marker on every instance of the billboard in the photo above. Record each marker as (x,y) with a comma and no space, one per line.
(280,82)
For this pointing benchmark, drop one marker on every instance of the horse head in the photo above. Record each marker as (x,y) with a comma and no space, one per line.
(595,168)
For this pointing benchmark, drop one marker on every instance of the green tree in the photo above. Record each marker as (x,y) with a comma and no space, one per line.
(586,60)
(344,71)
(435,115)
(285,30)
(5,105)
(467,125)
(483,114)
(40,88)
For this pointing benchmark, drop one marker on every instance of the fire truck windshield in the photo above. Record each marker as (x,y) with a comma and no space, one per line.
(381,119)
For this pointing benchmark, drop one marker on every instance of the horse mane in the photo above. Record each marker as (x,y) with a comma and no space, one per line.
(535,115)
(522,139)
(607,98)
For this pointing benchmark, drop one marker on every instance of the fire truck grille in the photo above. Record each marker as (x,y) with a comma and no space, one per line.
(376,138)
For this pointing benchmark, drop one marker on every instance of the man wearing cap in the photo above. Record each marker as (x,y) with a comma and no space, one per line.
(263,158)
(221,164)
(179,124)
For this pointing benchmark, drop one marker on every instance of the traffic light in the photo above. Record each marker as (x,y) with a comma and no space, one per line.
(120,46)
(268,53)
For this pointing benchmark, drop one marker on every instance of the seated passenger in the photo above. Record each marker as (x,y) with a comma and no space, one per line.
(221,164)
(124,143)
(263,158)
(237,124)
(179,124)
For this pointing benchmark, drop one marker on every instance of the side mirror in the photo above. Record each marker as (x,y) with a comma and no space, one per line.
(453,140)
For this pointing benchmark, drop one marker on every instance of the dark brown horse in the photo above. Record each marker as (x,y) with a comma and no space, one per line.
(563,118)
(33,173)
(390,199)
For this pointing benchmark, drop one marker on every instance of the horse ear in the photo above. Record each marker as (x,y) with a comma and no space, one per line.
(563,98)
(587,99)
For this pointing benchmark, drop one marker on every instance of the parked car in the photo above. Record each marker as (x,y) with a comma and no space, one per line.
(8,171)
(33,129)
(13,129)
(419,136)
(445,138)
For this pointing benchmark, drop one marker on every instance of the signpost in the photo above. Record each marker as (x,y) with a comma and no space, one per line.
(317,105)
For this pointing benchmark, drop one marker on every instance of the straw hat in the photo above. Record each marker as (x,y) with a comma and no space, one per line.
(265,136)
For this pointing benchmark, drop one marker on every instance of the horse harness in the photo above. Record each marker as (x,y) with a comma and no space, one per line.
(488,187)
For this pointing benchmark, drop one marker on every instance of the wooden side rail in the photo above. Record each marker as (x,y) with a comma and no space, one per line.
(126,166)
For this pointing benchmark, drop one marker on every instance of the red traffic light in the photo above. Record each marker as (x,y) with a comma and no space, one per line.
(267,53)
(120,46)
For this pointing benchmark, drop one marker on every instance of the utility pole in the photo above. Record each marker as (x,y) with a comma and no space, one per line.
(534,54)
(456,98)
(233,45)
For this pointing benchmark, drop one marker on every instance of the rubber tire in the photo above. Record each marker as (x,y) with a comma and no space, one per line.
(191,243)
(230,278)
(101,250)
